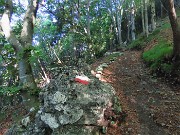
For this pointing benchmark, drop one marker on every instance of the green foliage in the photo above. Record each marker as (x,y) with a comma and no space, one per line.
(138,43)
(37,53)
(158,56)
(167,68)
(17,29)
(8,61)
(67,45)
(117,105)
(9,90)
(153,35)
(35,92)
(142,40)
(165,26)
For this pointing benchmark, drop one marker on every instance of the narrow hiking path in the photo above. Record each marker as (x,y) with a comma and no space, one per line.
(152,106)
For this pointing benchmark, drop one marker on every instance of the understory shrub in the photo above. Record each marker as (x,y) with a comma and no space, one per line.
(9,90)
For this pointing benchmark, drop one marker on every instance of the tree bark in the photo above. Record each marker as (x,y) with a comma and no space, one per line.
(153,23)
(119,20)
(113,19)
(146,18)
(22,46)
(128,26)
(88,18)
(142,16)
(169,4)
(133,35)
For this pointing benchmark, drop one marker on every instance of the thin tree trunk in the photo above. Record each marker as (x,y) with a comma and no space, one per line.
(128,27)
(133,20)
(146,18)
(153,23)
(119,26)
(45,77)
(55,55)
(88,18)
(119,20)
(142,16)
(113,18)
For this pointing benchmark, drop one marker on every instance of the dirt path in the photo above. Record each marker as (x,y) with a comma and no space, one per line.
(152,106)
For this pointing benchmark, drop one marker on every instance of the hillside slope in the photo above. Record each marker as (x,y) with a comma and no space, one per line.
(152,104)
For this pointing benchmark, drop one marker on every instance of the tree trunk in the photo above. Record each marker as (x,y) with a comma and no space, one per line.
(153,23)
(146,18)
(119,20)
(113,19)
(25,71)
(133,20)
(128,26)
(118,16)
(88,18)
(22,46)
(175,28)
(142,16)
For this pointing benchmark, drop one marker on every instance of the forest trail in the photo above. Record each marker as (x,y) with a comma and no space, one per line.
(152,105)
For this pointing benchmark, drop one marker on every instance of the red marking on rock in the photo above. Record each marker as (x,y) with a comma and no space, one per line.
(85,82)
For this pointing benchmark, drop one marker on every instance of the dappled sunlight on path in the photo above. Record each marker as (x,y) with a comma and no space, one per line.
(152,106)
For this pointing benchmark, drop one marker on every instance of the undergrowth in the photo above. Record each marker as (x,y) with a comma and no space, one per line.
(12,90)
(158,57)
(9,90)
(142,41)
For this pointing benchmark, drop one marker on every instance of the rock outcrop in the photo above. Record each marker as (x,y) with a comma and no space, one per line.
(69,107)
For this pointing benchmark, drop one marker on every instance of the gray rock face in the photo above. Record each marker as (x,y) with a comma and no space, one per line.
(25,121)
(50,120)
(71,108)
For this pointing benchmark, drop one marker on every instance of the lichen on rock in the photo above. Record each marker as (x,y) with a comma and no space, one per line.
(50,120)
(58,97)
(66,104)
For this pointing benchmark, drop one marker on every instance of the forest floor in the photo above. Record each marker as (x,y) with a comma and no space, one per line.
(152,104)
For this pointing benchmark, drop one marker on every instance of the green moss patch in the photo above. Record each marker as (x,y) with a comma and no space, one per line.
(158,57)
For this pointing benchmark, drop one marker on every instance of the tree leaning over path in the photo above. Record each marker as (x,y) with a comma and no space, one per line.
(22,46)
(169,4)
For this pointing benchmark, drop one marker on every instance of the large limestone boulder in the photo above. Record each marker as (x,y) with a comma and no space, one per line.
(69,107)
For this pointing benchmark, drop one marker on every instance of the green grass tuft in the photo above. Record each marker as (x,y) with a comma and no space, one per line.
(138,43)
(157,57)
(166,26)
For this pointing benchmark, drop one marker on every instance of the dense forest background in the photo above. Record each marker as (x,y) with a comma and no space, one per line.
(38,34)
(111,65)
